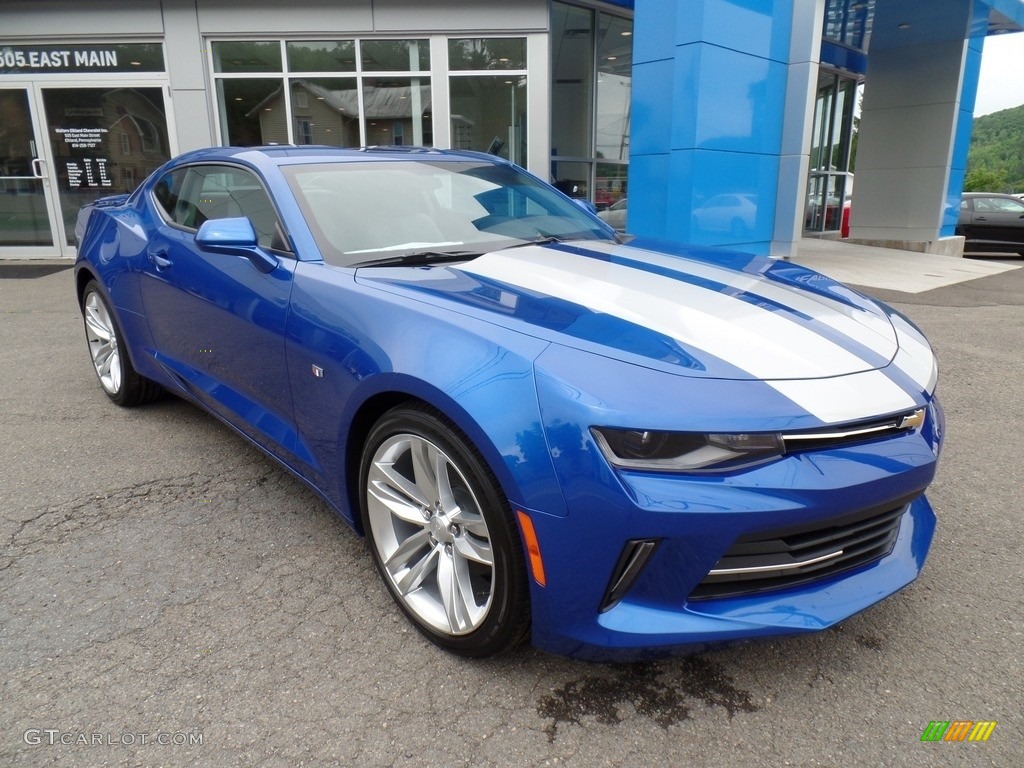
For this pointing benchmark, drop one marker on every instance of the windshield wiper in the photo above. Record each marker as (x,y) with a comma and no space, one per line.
(548,239)
(418,258)
(542,240)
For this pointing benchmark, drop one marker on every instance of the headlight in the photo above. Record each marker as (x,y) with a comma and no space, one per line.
(686,451)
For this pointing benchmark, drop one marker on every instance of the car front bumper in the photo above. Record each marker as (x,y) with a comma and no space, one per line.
(695,522)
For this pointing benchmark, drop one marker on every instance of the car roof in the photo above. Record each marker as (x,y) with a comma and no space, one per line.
(292,154)
(989,194)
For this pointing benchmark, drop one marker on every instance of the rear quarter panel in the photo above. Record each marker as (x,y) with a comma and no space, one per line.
(113,239)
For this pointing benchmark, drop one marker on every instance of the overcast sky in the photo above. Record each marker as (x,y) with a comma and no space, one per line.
(1002,74)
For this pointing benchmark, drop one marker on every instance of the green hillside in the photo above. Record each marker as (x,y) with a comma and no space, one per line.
(995,161)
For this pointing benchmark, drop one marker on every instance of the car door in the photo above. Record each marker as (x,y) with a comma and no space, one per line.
(218,321)
(998,220)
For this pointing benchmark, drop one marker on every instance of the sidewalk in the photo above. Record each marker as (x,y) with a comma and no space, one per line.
(904,271)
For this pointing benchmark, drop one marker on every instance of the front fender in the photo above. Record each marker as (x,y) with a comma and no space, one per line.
(354,349)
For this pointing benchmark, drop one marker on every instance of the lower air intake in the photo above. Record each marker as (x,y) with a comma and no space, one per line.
(787,557)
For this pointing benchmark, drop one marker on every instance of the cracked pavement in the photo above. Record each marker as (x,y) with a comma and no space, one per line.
(159,576)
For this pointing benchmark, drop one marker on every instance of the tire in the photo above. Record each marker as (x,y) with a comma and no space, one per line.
(448,550)
(121,383)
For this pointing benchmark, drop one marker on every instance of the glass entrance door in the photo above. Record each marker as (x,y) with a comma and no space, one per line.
(26,225)
(63,147)
(102,141)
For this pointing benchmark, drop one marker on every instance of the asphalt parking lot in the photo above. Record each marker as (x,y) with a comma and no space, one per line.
(169,596)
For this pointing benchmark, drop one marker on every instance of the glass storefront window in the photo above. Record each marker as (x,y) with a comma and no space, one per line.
(829,183)
(102,140)
(478,53)
(572,80)
(395,55)
(252,112)
(322,56)
(489,114)
(246,56)
(325,111)
(591,88)
(397,111)
(610,183)
(571,178)
(364,92)
(849,22)
(24,218)
(614,87)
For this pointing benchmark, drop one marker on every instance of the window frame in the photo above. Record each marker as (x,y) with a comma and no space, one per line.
(436,122)
(189,171)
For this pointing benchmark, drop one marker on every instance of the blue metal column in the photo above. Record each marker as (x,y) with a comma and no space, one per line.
(964,119)
(709,102)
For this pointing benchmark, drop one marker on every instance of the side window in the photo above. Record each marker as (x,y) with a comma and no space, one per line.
(1006,205)
(222,192)
(167,192)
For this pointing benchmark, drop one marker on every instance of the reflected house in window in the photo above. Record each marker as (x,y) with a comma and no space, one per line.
(395,114)
(137,142)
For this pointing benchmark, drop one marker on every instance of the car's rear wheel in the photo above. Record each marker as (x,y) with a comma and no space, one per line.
(441,534)
(110,360)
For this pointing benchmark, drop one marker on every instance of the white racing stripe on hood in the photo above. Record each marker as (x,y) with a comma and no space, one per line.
(868,329)
(764,343)
(915,357)
(847,398)
(805,367)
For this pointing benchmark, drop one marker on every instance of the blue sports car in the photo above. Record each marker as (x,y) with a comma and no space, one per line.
(542,431)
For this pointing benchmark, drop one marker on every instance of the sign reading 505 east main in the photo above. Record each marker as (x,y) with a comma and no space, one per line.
(112,57)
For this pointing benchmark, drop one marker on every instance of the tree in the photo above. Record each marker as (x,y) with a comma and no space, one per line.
(984,180)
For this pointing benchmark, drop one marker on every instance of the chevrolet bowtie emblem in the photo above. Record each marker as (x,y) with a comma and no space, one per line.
(913,420)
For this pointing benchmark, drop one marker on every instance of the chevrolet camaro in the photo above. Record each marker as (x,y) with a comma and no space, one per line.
(542,430)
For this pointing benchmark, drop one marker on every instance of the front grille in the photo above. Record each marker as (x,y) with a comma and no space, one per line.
(784,558)
(853,433)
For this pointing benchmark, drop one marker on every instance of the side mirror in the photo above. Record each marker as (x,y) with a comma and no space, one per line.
(234,237)
(585,204)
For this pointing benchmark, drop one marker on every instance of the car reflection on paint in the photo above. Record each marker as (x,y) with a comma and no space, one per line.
(732,214)
(615,215)
(542,432)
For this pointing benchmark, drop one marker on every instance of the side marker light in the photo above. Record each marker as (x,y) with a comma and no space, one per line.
(532,548)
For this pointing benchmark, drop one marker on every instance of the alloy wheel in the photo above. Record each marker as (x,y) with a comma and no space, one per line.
(430,534)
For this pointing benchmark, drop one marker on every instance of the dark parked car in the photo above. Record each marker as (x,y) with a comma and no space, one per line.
(991,222)
(541,431)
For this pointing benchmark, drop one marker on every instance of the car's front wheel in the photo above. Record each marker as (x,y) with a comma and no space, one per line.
(441,534)
(110,360)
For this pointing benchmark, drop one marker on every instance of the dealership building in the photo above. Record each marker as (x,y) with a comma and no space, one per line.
(726,122)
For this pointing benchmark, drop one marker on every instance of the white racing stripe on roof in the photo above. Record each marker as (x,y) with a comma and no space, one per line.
(866,328)
(766,344)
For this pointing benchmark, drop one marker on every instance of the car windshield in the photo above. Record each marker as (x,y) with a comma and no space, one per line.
(364,212)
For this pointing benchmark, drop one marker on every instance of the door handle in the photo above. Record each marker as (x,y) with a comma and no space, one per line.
(37,168)
(159,259)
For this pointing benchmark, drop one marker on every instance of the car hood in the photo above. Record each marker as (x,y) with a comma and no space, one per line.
(730,316)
